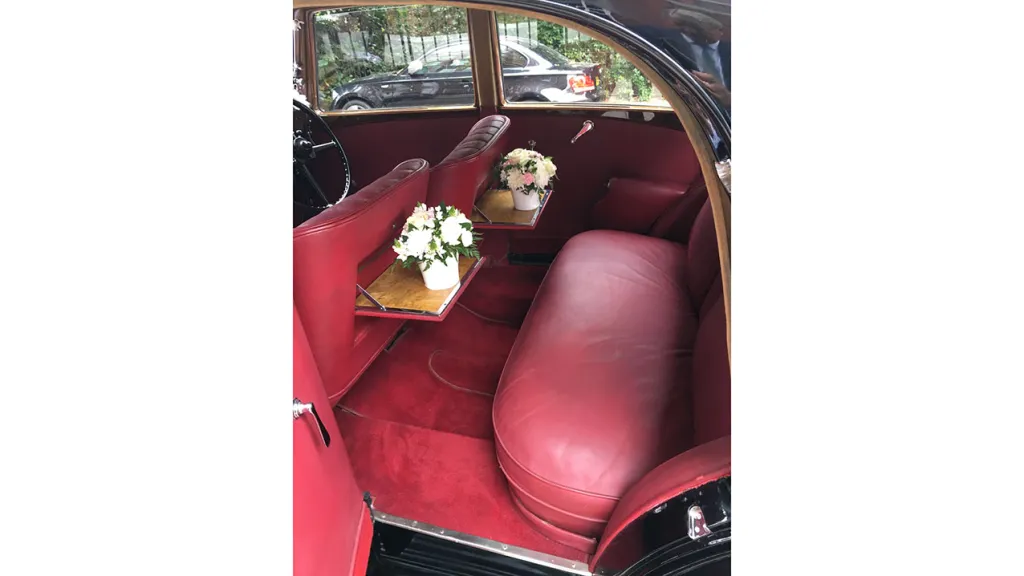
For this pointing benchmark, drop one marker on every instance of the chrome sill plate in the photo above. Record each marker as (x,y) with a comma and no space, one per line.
(563,564)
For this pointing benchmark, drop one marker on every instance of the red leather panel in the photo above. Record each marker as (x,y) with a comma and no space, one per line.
(349,243)
(466,172)
(615,148)
(703,267)
(594,392)
(712,392)
(375,143)
(634,205)
(689,470)
(331,524)
(677,222)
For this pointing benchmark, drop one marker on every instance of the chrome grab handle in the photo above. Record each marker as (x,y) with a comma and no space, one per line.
(299,408)
(587,127)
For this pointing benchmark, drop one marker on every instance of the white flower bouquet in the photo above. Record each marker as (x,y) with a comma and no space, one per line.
(527,174)
(434,238)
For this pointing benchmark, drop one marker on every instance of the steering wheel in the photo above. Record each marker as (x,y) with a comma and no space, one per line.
(305,150)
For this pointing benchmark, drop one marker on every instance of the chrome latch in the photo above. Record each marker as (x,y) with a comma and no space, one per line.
(588,125)
(696,525)
(299,409)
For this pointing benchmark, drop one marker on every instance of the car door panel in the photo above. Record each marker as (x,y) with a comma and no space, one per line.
(406,91)
(645,145)
(332,528)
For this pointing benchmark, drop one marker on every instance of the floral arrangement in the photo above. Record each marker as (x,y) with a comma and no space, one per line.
(435,235)
(526,171)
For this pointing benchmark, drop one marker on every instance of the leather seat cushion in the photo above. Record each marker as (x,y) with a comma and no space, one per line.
(595,391)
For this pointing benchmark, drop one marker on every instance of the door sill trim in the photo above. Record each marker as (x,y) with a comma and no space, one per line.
(547,560)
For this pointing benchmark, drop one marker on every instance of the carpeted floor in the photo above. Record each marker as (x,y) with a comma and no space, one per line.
(503,293)
(449,480)
(467,352)
(418,425)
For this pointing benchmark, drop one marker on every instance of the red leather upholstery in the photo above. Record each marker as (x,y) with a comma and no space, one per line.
(464,174)
(677,221)
(601,385)
(345,244)
(339,542)
(658,209)
(691,469)
(651,151)
(633,205)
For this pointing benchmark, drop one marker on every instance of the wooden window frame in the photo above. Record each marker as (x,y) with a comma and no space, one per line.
(309,72)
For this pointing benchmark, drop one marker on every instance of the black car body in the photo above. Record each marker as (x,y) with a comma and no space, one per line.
(443,77)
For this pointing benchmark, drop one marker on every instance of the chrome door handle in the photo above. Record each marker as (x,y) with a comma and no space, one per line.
(587,127)
(299,408)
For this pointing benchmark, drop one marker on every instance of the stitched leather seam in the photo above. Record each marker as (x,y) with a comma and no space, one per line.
(478,153)
(552,506)
(498,441)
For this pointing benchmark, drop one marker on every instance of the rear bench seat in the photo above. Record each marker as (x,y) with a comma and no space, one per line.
(620,365)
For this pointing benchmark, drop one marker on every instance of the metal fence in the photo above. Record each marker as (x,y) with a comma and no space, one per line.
(528,29)
(400,49)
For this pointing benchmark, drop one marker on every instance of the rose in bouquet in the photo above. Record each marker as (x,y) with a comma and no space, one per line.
(526,171)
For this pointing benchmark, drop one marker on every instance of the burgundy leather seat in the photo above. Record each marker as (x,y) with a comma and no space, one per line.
(658,209)
(345,244)
(465,173)
(620,365)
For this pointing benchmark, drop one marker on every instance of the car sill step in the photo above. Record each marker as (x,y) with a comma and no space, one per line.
(563,565)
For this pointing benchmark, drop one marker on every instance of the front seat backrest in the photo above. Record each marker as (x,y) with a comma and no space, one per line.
(466,172)
(350,242)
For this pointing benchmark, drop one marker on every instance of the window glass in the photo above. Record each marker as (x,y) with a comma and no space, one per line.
(512,58)
(392,57)
(566,66)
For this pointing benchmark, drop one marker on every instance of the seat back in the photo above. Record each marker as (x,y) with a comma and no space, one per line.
(466,172)
(711,393)
(676,223)
(346,244)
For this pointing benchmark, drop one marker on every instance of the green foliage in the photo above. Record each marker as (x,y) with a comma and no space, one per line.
(339,68)
(370,28)
(614,68)
(550,34)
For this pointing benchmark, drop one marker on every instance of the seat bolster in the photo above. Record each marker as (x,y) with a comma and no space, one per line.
(331,252)
(466,172)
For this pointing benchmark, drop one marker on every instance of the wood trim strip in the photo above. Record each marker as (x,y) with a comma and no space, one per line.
(483,42)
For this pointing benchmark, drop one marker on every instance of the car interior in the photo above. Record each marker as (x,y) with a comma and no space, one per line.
(582,370)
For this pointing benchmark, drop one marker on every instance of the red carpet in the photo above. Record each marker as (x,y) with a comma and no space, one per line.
(420,441)
(475,374)
(400,387)
(445,479)
(503,293)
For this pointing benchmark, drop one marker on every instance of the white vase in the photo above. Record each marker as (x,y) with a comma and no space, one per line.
(441,276)
(529,201)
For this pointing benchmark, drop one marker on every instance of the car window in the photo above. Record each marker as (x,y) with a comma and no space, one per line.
(511,58)
(371,57)
(571,68)
(549,54)
(450,59)
(697,34)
